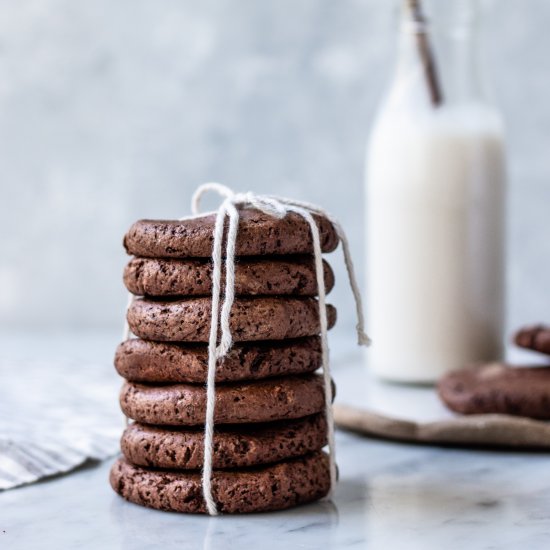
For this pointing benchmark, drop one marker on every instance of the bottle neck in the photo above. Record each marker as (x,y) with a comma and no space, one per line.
(449,48)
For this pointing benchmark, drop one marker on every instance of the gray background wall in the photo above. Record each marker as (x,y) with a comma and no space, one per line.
(112,111)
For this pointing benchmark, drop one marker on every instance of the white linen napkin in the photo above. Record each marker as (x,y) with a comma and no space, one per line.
(55,416)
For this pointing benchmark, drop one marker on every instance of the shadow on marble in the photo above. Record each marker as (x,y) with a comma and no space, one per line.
(144,528)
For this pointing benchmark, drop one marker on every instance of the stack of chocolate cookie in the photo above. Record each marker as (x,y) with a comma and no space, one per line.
(269,409)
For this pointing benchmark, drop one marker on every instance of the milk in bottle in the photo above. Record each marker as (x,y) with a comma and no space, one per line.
(435,211)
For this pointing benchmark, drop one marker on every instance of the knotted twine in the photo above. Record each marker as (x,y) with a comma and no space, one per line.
(277,207)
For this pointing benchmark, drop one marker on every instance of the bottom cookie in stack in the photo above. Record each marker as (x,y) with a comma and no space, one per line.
(257,489)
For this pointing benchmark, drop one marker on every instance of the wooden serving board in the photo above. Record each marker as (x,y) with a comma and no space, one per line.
(476,430)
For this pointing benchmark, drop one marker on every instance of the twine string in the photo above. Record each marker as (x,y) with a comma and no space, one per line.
(277,207)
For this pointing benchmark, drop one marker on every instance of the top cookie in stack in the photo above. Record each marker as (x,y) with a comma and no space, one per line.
(269,403)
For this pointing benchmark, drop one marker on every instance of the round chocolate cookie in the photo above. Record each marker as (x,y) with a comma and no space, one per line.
(252,319)
(159,362)
(258,234)
(253,277)
(260,489)
(282,398)
(234,446)
(498,388)
(535,337)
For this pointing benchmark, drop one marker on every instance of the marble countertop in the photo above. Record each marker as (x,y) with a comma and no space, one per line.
(390,496)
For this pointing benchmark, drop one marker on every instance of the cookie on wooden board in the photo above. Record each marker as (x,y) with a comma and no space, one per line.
(534,337)
(259,489)
(258,234)
(498,388)
(272,276)
(267,400)
(235,446)
(252,319)
(140,360)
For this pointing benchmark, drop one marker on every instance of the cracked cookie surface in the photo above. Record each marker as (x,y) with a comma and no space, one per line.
(291,276)
(234,446)
(140,360)
(259,489)
(258,234)
(252,319)
(267,400)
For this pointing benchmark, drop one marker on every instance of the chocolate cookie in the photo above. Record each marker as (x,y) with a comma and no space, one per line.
(261,318)
(234,446)
(158,362)
(253,277)
(258,235)
(261,489)
(498,388)
(236,403)
(535,337)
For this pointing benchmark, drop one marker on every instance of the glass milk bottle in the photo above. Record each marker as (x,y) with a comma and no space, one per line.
(435,178)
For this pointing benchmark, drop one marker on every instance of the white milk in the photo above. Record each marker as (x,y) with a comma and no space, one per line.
(435,213)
